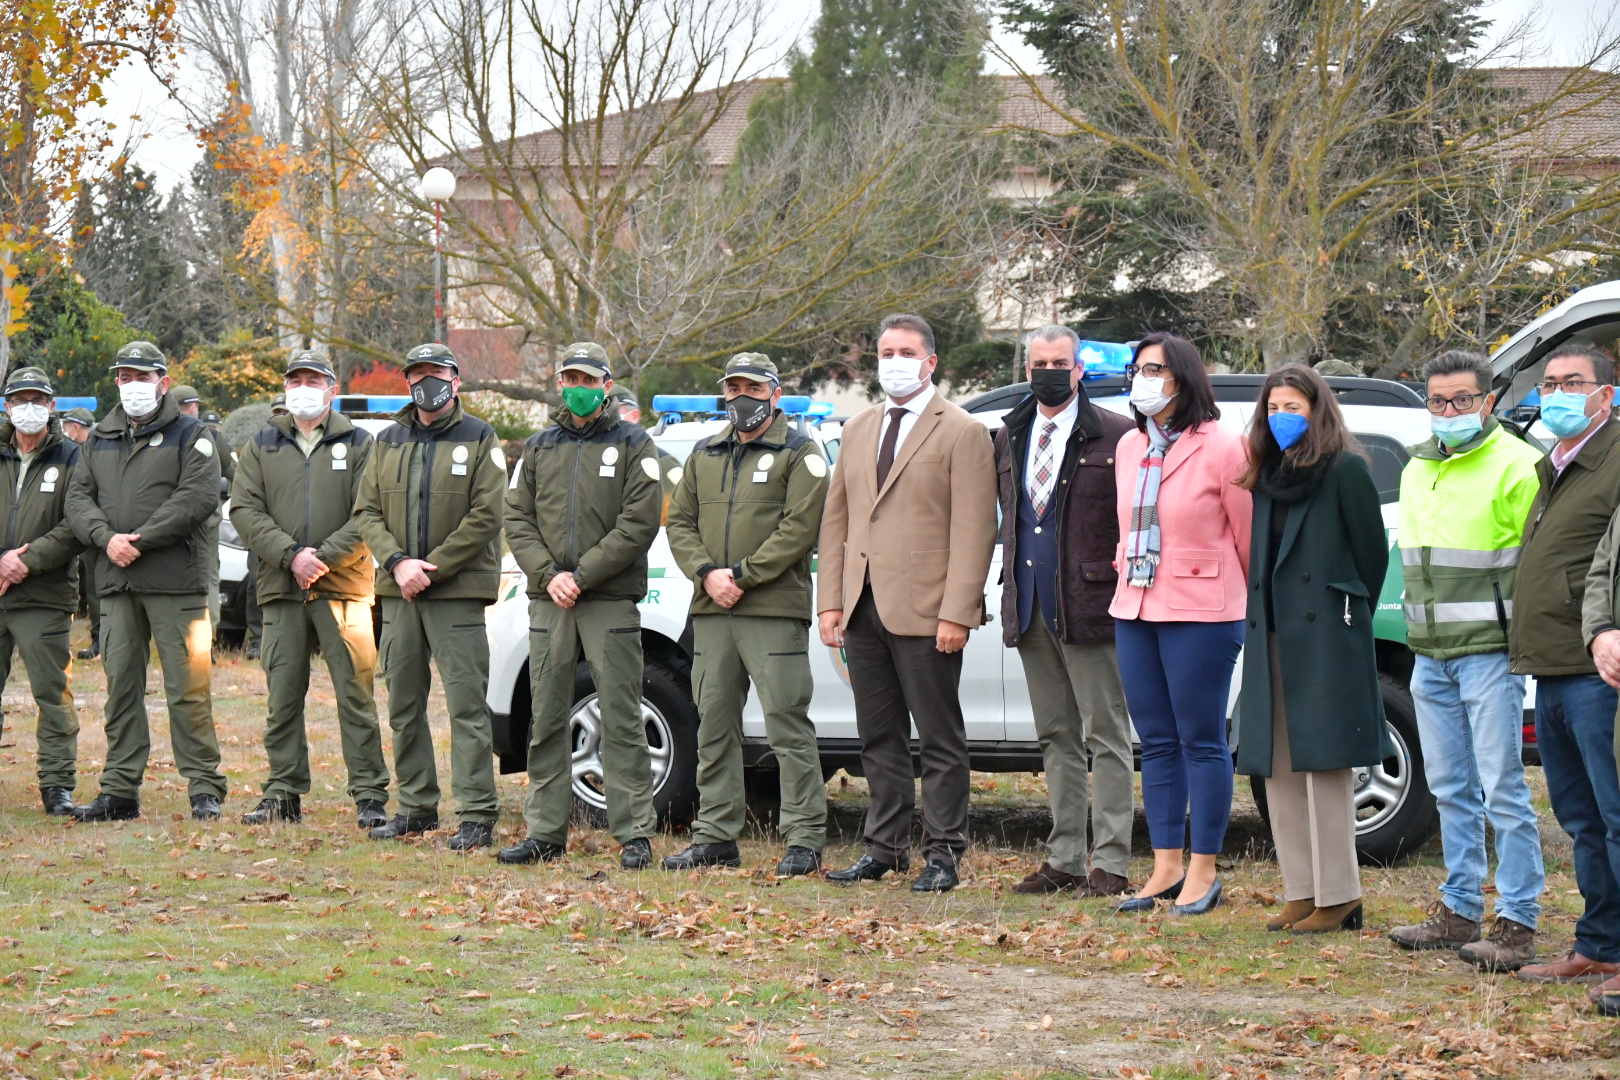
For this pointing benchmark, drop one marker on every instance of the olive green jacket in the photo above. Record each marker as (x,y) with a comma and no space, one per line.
(586,499)
(37,516)
(436,493)
(754,507)
(1569,518)
(283,502)
(160,480)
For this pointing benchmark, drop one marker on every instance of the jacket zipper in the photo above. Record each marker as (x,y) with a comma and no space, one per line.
(423,529)
(573,500)
(734,460)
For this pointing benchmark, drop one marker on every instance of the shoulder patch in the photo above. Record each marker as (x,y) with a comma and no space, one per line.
(517,476)
(649,465)
(816,465)
(205,447)
(675,474)
(497,457)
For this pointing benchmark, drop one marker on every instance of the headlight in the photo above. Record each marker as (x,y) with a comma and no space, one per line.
(229,536)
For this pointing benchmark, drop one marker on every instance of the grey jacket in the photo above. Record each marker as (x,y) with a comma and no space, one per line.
(1597,603)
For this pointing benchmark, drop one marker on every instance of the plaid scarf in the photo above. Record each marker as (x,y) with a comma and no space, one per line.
(1142,546)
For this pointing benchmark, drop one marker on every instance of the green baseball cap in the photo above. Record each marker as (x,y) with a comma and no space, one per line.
(304,360)
(80,416)
(141,356)
(278,405)
(28,378)
(586,356)
(754,366)
(186,394)
(432,353)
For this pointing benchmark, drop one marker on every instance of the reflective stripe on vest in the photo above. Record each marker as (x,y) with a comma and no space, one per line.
(1464,557)
(1460,612)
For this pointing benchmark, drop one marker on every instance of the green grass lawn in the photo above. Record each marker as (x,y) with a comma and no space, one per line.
(164,947)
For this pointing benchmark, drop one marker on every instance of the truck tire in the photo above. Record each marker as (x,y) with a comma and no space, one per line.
(1395,814)
(672,722)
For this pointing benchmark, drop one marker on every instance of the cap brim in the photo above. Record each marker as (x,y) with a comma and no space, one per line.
(589,367)
(751,376)
(317,368)
(140,365)
(18,388)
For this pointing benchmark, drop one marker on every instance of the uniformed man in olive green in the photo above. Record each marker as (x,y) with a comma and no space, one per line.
(582,512)
(291,502)
(37,591)
(742,524)
(429,508)
(146,484)
(191,405)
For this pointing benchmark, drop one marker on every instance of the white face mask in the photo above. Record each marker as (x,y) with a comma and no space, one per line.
(28,418)
(1148,395)
(306,402)
(138,398)
(900,376)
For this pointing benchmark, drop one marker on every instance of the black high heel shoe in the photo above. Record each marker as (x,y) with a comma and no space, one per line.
(1145,903)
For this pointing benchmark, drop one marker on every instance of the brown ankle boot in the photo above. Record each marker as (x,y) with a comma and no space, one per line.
(1325,920)
(1292,912)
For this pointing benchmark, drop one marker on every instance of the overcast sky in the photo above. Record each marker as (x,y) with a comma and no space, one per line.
(170,151)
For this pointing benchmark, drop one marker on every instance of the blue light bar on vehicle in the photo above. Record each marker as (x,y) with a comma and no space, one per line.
(63,404)
(711,405)
(1103,357)
(378,403)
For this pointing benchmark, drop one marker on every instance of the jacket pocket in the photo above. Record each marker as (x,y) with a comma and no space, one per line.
(1195,581)
(928,570)
(1102,570)
(1354,601)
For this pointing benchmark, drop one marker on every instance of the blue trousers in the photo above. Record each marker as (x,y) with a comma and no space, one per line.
(1575,730)
(1177,677)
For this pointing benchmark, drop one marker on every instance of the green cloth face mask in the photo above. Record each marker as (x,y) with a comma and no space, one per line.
(583,400)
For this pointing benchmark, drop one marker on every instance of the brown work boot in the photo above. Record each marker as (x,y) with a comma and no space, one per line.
(1572,967)
(1047,879)
(1443,929)
(1509,946)
(1329,920)
(1292,912)
(1101,883)
(1610,989)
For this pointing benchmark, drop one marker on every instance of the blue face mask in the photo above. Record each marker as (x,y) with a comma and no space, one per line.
(1287,428)
(1456,430)
(1565,414)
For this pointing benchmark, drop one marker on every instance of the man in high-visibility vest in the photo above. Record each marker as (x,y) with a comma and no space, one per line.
(1465,497)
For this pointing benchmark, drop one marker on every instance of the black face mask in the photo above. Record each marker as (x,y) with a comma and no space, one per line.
(747,413)
(432,393)
(1051,386)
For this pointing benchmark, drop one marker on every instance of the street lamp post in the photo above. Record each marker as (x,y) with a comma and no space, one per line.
(438,185)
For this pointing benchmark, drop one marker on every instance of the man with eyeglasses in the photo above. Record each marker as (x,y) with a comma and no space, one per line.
(1576,668)
(1465,497)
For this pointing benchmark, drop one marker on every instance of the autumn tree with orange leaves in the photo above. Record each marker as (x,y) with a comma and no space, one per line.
(55,58)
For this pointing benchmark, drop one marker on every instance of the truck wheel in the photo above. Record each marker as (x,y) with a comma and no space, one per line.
(1395,814)
(671,721)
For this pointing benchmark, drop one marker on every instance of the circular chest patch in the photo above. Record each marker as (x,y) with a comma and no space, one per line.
(340,450)
(675,474)
(459,455)
(51,474)
(650,467)
(765,462)
(157,440)
(610,455)
(816,464)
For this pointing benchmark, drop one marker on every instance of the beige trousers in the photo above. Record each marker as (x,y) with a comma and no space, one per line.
(1313,817)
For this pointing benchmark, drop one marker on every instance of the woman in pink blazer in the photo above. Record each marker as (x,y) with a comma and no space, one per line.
(1179,608)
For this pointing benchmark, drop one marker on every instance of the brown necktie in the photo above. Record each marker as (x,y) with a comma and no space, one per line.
(886,451)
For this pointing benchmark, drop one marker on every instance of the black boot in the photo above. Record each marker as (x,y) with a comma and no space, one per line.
(864,868)
(109,808)
(204,808)
(403,826)
(273,808)
(937,877)
(58,801)
(529,851)
(636,855)
(92,653)
(723,854)
(370,814)
(470,835)
(798,861)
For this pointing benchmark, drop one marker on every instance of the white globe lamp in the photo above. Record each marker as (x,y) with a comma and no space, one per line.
(438,185)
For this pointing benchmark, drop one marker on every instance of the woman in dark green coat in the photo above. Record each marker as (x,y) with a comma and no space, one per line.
(1310,709)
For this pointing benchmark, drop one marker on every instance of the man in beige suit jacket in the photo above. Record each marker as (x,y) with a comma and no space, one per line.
(906,539)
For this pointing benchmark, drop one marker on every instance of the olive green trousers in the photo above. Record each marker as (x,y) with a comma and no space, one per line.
(40,636)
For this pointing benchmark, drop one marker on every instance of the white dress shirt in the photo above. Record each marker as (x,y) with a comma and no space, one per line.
(1065,421)
(913,408)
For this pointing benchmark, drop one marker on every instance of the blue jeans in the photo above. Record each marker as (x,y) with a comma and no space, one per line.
(1575,728)
(1470,718)
(1177,677)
